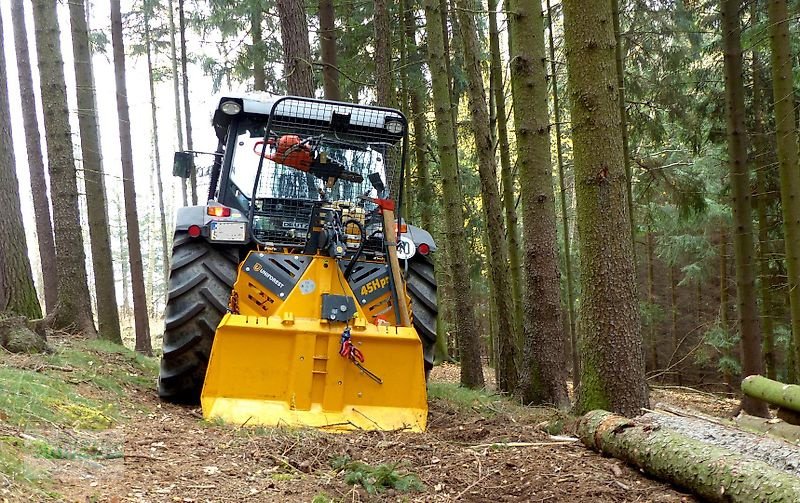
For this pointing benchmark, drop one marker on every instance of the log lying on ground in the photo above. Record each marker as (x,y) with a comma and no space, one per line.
(708,471)
(774,427)
(788,415)
(774,392)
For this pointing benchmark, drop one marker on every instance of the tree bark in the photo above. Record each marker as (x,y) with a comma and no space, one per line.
(760,149)
(165,249)
(17,291)
(173,56)
(384,86)
(713,473)
(723,301)
(257,50)
(619,59)
(786,132)
(573,334)
(327,44)
(651,299)
(74,308)
(94,177)
(673,311)
(296,50)
(186,107)
(740,188)
(465,326)
(506,175)
(544,373)
(612,361)
(507,372)
(772,427)
(774,392)
(41,201)
(143,344)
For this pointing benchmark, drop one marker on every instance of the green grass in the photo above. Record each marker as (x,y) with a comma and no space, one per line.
(465,399)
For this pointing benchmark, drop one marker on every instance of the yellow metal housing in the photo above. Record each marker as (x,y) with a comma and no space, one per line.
(277,361)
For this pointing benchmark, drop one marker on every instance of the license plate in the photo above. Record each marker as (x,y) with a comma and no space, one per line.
(227,231)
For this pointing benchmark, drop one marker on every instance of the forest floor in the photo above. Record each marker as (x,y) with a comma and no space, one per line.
(83,424)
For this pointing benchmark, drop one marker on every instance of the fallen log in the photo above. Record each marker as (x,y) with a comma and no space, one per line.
(710,472)
(774,392)
(774,427)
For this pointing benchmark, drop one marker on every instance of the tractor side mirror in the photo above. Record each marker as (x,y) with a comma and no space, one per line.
(182,164)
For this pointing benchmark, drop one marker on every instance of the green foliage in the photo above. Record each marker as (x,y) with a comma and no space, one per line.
(718,346)
(465,399)
(376,479)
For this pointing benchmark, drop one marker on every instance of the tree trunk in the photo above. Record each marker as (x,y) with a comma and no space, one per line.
(506,175)
(713,473)
(74,308)
(94,177)
(465,326)
(740,188)
(17,291)
(257,50)
(673,311)
(623,114)
(786,132)
(544,374)
(723,302)
(612,362)
(492,211)
(774,392)
(41,201)
(383,54)
(186,107)
(124,260)
(143,344)
(570,291)
(761,149)
(296,50)
(173,55)
(772,427)
(651,299)
(165,249)
(327,44)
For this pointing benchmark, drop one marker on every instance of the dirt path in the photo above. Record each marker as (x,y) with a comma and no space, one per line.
(171,455)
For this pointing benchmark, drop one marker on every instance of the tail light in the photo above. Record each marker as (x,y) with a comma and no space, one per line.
(194,231)
(218,211)
(423,249)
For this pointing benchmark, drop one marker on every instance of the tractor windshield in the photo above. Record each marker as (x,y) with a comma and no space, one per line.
(310,152)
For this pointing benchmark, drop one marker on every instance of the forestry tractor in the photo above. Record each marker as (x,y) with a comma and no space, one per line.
(297,295)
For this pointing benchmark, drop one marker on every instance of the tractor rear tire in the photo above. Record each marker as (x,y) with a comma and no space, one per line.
(421,285)
(200,284)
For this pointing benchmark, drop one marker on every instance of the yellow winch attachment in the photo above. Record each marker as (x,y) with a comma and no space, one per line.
(278,362)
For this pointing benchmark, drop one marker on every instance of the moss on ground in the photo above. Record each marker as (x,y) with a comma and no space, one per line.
(77,388)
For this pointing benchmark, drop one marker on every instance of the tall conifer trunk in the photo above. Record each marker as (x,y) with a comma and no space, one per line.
(74,309)
(165,249)
(740,188)
(619,59)
(506,175)
(17,292)
(257,50)
(186,107)
(570,290)
(142,323)
(544,372)
(296,49)
(94,177)
(760,151)
(41,201)
(612,362)
(383,54)
(492,212)
(327,44)
(786,132)
(455,241)
(176,90)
